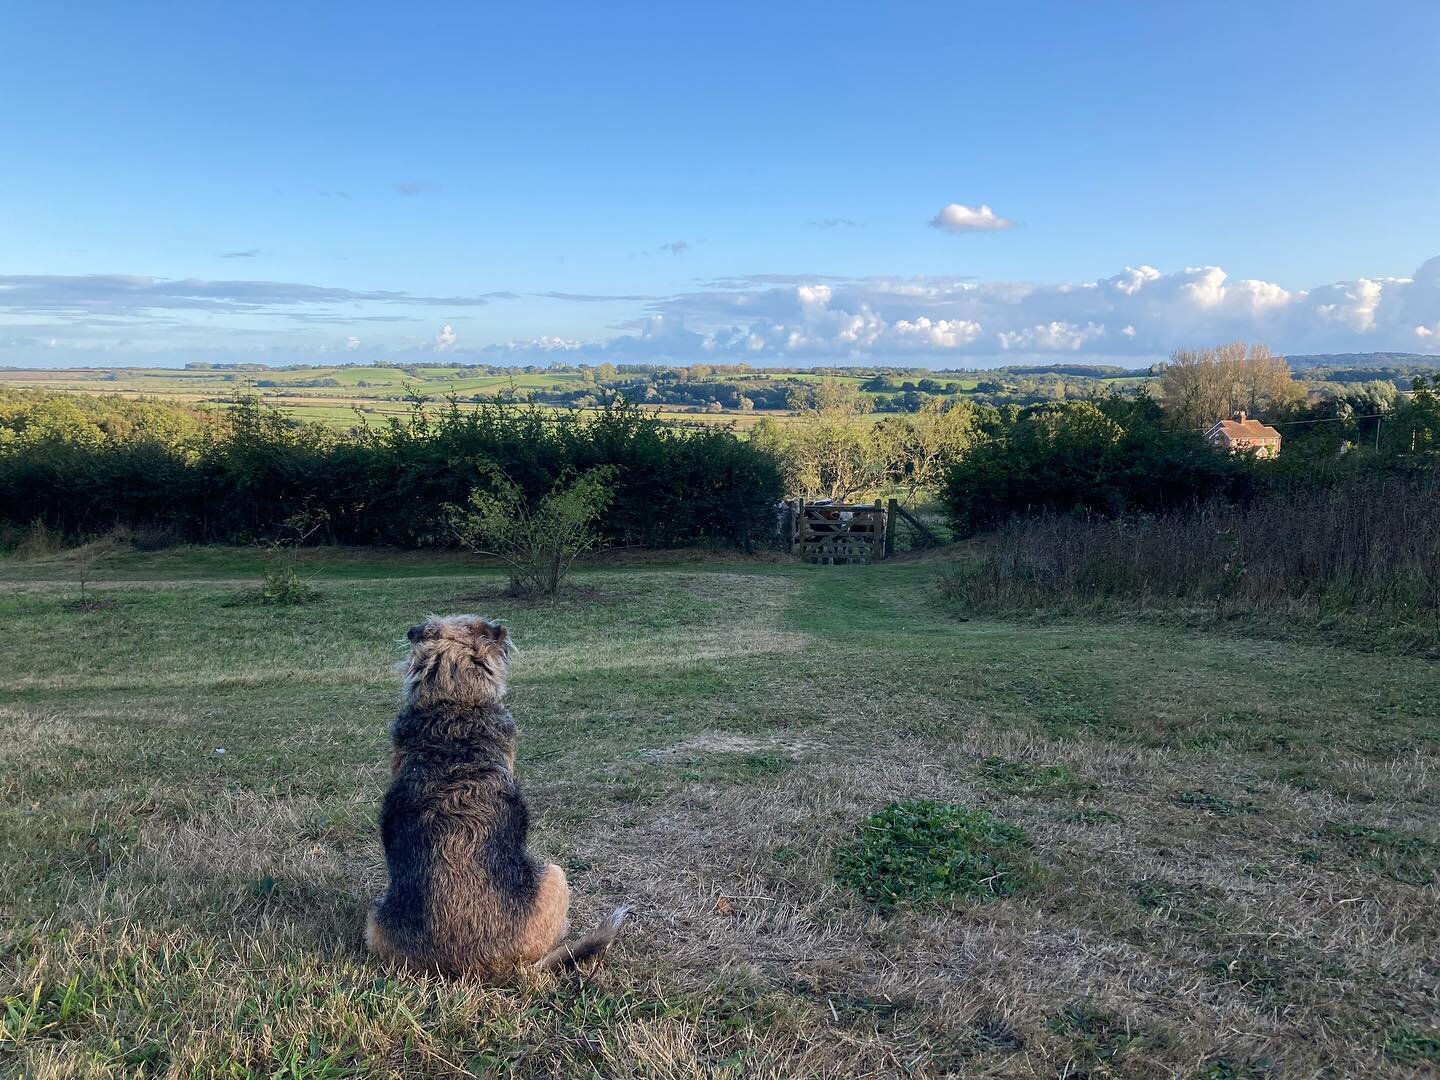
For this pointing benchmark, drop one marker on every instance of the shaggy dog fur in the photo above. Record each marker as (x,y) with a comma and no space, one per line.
(466,897)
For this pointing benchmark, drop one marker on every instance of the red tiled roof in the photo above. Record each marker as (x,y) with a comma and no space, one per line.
(1245,430)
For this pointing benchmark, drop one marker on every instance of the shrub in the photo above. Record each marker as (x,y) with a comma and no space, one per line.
(1098,458)
(922,851)
(538,542)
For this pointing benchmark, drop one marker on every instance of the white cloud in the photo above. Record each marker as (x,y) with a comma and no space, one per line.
(937,333)
(352,343)
(1140,314)
(676,247)
(1050,337)
(957,218)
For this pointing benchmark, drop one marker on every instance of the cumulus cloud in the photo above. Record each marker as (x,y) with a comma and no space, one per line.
(958,218)
(1139,314)
(938,333)
(1055,336)
(352,343)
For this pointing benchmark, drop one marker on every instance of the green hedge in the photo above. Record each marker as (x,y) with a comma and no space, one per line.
(240,476)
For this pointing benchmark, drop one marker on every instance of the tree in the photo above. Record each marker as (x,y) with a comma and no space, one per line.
(1201,387)
(831,450)
(930,439)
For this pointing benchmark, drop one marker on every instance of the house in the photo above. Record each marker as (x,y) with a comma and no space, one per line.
(1243,433)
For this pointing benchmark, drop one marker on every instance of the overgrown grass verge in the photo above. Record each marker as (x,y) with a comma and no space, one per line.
(1358,565)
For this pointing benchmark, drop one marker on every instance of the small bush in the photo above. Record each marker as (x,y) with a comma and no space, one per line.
(922,851)
(283,585)
(539,541)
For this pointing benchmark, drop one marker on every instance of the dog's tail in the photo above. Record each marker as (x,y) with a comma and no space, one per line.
(569,955)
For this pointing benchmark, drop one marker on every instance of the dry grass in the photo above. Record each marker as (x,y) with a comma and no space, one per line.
(698,741)
(1357,562)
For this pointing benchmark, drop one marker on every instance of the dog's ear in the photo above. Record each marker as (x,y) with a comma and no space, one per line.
(417,633)
(486,631)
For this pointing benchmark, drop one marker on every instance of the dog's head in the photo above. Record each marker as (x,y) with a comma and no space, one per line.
(462,658)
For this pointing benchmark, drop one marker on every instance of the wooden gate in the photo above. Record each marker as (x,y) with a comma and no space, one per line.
(835,533)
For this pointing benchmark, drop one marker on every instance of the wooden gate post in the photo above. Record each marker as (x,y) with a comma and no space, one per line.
(890,516)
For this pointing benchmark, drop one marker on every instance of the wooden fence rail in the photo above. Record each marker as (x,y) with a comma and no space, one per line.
(845,533)
(838,533)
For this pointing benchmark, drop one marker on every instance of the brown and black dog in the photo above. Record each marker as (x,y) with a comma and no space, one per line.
(466,897)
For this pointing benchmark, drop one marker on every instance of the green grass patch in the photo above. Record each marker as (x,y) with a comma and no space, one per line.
(1218,805)
(1411,1046)
(1100,1041)
(1229,1068)
(1094,817)
(1406,857)
(922,851)
(1029,778)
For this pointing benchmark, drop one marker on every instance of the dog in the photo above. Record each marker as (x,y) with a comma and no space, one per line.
(466,897)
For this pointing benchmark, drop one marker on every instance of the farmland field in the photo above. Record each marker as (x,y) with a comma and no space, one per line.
(1230,843)
(346,396)
(364,395)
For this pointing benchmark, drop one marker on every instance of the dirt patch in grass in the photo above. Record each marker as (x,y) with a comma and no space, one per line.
(727,743)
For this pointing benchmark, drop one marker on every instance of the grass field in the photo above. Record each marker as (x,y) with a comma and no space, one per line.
(365,395)
(368,395)
(1232,858)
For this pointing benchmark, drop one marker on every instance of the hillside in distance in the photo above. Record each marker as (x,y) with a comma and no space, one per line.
(1365,360)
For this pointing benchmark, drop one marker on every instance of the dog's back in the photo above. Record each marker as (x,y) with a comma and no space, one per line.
(454,826)
(466,896)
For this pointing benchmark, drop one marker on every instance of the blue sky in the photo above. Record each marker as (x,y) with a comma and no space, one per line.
(769,183)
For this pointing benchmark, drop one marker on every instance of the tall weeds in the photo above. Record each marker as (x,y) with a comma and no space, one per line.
(1358,553)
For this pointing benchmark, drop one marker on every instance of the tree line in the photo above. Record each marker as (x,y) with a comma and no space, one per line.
(81,465)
